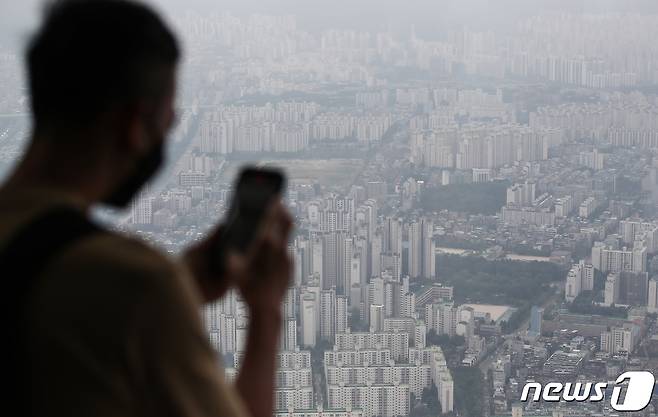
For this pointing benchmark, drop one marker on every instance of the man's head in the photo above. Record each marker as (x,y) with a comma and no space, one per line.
(102,77)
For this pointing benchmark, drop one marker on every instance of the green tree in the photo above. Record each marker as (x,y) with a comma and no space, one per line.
(430,397)
(468,383)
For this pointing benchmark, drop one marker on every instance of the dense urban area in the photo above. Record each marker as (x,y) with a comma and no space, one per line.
(472,214)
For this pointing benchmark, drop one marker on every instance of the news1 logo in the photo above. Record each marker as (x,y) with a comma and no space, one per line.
(639,389)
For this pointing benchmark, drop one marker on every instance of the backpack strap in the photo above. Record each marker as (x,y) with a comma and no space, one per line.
(22,261)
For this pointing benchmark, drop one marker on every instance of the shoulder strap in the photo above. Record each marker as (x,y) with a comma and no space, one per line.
(22,260)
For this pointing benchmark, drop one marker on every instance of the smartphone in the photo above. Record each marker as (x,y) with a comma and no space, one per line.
(254,190)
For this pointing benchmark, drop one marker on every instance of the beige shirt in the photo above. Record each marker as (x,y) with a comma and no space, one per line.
(115,329)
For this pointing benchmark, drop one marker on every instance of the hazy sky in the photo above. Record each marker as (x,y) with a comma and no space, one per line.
(429,16)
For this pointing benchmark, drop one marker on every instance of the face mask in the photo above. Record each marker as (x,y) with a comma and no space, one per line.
(146,168)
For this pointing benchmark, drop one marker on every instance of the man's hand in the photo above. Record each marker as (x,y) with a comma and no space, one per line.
(199,259)
(262,274)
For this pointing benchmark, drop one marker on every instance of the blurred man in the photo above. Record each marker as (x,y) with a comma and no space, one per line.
(101,324)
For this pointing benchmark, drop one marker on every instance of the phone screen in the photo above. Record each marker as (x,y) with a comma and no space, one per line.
(255,189)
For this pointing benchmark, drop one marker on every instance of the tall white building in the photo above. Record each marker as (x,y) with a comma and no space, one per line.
(392,235)
(611,291)
(374,400)
(521,194)
(564,206)
(309,323)
(420,335)
(376,255)
(579,278)
(620,339)
(421,259)
(288,339)
(142,210)
(442,318)
(632,231)
(606,259)
(327,314)
(396,343)
(377,314)
(316,267)
(652,303)
(442,379)
(408,305)
(369,370)
(341,313)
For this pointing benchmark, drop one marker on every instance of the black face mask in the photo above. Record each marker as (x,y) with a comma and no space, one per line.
(146,168)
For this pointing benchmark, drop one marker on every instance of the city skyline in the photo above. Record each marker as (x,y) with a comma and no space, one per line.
(474,210)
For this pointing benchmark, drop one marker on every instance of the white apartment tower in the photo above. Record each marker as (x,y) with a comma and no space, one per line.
(309,325)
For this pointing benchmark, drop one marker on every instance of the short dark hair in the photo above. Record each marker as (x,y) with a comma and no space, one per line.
(91,55)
